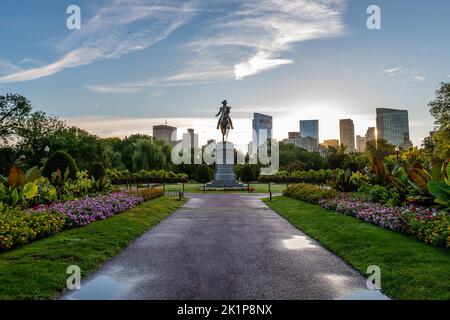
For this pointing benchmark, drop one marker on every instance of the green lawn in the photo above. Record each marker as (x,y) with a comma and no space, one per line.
(409,269)
(197,188)
(38,270)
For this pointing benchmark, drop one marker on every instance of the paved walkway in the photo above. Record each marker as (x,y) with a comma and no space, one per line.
(224,246)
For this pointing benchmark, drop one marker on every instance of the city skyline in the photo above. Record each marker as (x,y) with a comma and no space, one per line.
(390,123)
(127,70)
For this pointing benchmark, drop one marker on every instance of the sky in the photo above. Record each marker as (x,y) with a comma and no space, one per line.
(135,63)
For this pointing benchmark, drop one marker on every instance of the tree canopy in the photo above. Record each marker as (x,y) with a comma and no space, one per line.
(14,109)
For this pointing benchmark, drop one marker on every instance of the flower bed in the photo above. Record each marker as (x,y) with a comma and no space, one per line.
(424,224)
(21,227)
(84,211)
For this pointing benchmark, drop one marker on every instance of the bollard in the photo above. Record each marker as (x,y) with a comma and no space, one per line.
(270,192)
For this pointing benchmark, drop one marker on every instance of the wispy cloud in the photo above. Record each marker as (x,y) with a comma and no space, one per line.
(419,78)
(248,39)
(392,72)
(405,73)
(8,67)
(113,89)
(123,27)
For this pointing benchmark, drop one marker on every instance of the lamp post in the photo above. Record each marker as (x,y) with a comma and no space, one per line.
(397,149)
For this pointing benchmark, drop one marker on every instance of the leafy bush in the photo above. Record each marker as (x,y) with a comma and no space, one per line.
(144,176)
(345,181)
(380,194)
(24,189)
(247,174)
(98,170)
(309,193)
(61,161)
(203,175)
(147,194)
(441,192)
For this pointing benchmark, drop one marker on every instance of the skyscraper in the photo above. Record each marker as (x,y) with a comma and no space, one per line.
(164,133)
(360,144)
(262,128)
(309,128)
(347,134)
(309,144)
(393,126)
(371,134)
(309,134)
(294,138)
(331,143)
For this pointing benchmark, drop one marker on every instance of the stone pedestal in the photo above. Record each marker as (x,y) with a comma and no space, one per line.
(225,175)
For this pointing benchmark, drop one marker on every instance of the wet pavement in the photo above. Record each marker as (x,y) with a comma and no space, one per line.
(225,246)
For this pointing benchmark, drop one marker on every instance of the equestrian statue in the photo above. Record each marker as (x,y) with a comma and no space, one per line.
(224,123)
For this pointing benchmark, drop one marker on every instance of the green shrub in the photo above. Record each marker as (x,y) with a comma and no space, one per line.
(379,194)
(60,160)
(98,170)
(345,181)
(147,194)
(247,174)
(203,175)
(309,193)
(310,176)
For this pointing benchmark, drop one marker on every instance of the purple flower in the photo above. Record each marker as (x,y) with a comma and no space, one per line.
(86,210)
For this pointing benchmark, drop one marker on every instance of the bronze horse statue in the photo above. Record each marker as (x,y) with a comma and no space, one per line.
(224,122)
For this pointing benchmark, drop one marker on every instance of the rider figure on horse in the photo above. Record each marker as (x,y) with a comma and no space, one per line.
(224,113)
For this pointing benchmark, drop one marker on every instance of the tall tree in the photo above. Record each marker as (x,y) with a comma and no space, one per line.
(34,136)
(127,148)
(148,156)
(440,110)
(14,109)
(84,147)
(440,106)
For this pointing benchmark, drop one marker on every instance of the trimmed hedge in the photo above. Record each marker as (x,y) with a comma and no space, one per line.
(309,193)
(147,194)
(311,176)
(203,174)
(118,177)
(247,174)
(60,160)
(98,170)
